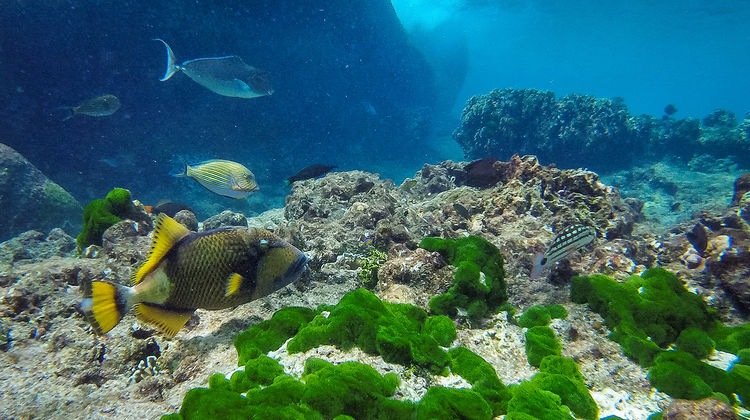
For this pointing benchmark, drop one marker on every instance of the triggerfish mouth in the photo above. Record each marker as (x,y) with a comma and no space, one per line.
(216,269)
(567,242)
(228,76)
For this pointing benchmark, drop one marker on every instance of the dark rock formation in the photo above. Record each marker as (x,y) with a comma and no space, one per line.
(29,200)
(584,131)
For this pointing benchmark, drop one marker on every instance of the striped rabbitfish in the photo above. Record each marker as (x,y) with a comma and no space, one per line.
(223,177)
(216,269)
(565,243)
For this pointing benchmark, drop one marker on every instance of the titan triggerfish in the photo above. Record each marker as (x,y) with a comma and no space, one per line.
(185,271)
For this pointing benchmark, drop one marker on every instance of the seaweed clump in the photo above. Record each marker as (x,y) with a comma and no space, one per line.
(648,314)
(102,213)
(400,333)
(480,287)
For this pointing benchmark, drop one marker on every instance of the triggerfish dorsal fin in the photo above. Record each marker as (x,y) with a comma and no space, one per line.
(169,322)
(167,232)
(233,284)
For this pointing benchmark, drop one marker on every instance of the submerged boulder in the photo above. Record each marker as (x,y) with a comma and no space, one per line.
(29,200)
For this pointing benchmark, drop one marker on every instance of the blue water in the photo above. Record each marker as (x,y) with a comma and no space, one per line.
(693,54)
(353,87)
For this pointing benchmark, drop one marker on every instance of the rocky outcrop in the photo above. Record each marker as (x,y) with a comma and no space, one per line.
(585,131)
(30,200)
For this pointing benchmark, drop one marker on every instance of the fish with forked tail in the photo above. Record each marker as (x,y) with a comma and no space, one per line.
(227,76)
(565,243)
(100,106)
(185,271)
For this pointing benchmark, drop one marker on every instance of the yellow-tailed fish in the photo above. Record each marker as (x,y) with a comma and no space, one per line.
(565,243)
(217,269)
(228,76)
(101,106)
(223,177)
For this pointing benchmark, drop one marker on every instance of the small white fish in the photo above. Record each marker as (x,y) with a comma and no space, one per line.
(567,242)
(227,76)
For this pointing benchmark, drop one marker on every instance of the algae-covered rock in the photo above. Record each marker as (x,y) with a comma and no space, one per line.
(29,200)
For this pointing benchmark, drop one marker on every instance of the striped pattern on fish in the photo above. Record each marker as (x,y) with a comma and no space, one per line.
(565,243)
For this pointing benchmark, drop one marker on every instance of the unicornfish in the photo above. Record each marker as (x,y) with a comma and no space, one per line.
(185,271)
(228,75)
(101,106)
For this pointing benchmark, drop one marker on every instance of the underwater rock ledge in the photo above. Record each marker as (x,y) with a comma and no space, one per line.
(53,366)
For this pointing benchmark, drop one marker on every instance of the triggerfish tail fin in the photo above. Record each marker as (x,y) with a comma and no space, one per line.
(539,264)
(172,67)
(105,304)
(169,322)
(167,232)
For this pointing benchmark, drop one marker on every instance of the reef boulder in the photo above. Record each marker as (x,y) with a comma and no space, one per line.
(29,200)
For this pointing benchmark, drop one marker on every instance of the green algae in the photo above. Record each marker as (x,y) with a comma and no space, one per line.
(397,332)
(646,313)
(480,287)
(100,214)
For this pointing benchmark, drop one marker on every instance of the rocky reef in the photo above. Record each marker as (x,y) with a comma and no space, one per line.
(54,366)
(29,200)
(585,131)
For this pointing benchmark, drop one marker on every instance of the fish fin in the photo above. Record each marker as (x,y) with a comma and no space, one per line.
(167,232)
(71,112)
(172,68)
(185,171)
(235,184)
(539,262)
(233,284)
(287,182)
(169,322)
(105,304)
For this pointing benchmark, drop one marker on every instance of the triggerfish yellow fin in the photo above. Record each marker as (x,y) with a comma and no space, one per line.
(233,284)
(167,232)
(169,322)
(105,304)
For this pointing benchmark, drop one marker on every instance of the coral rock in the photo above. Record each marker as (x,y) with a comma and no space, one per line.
(706,409)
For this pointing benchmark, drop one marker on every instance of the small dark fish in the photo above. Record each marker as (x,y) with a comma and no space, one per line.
(310,172)
(698,237)
(101,106)
(567,242)
(169,208)
(670,109)
(481,173)
(461,210)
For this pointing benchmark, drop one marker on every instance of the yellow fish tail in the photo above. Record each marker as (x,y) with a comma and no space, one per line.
(105,304)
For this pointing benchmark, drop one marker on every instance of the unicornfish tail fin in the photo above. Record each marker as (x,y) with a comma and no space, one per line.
(172,66)
(168,321)
(105,304)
